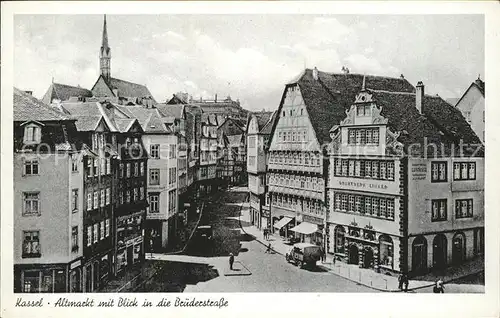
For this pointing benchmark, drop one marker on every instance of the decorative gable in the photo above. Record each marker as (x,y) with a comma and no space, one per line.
(253,127)
(364,111)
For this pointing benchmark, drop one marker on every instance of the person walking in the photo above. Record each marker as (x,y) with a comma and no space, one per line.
(323,255)
(406,282)
(400,281)
(231,261)
(439,287)
(268,250)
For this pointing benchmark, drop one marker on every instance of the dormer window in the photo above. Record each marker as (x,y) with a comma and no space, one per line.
(32,134)
(363,110)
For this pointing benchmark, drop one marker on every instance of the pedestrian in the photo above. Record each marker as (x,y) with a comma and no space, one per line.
(265,234)
(406,282)
(231,261)
(334,258)
(400,281)
(151,247)
(323,255)
(269,248)
(439,287)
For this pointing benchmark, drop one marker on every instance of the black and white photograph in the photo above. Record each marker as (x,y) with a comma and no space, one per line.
(207,153)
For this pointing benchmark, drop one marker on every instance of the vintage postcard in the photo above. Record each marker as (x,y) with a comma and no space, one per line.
(249,158)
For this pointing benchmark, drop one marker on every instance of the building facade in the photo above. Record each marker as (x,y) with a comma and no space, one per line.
(48,215)
(389,190)
(471,104)
(207,177)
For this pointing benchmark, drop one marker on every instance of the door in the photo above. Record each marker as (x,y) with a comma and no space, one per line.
(439,253)
(458,249)
(353,254)
(419,255)
(88,278)
(368,258)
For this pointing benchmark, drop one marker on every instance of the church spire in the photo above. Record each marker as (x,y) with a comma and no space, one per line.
(105,53)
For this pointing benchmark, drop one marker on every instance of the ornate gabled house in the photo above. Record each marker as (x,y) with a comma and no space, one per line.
(406,183)
(207,176)
(257,145)
(234,132)
(471,104)
(117,90)
(297,164)
(48,192)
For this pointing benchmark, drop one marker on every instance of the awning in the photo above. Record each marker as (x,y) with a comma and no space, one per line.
(284,221)
(305,228)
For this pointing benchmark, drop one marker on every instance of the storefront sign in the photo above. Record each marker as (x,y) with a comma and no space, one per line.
(312,219)
(363,185)
(75,264)
(381,186)
(419,171)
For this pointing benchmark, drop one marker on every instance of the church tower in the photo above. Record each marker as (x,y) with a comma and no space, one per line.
(105,54)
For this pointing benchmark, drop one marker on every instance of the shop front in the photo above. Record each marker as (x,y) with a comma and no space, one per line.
(43,279)
(255,209)
(284,225)
(265,218)
(309,229)
(75,277)
(130,241)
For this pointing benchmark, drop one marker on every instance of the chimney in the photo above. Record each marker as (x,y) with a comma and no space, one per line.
(419,96)
(216,98)
(315,73)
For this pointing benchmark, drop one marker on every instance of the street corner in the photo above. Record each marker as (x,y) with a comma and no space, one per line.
(239,269)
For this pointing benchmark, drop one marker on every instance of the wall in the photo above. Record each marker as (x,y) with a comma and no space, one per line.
(473,102)
(421,191)
(54,206)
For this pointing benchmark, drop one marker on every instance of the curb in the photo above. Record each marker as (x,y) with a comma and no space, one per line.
(247,273)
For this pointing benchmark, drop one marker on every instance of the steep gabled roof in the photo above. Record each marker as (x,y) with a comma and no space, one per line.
(327,97)
(129,89)
(87,123)
(175,100)
(28,108)
(173,110)
(479,84)
(262,118)
(149,118)
(64,92)
(267,129)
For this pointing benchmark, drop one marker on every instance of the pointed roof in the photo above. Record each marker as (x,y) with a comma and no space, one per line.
(64,92)
(267,129)
(28,108)
(104,44)
(173,110)
(479,84)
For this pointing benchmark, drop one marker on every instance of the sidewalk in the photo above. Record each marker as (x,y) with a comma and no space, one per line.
(364,276)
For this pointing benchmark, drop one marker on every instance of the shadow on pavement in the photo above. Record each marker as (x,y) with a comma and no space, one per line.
(175,276)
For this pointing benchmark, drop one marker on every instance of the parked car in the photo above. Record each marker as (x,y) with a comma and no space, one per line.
(303,254)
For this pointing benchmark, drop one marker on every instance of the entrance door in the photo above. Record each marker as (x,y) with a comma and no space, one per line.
(458,250)
(439,254)
(88,278)
(353,254)
(419,255)
(368,258)
(130,255)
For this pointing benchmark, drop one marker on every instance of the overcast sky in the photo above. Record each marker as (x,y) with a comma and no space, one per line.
(250,57)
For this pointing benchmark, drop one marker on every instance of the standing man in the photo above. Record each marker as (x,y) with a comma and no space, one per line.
(231,261)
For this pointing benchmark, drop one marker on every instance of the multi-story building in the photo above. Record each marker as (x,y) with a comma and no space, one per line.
(234,132)
(471,104)
(297,166)
(114,188)
(404,194)
(63,93)
(206,179)
(48,199)
(257,144)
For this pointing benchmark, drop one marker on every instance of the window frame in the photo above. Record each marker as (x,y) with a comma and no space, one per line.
(437,203)
(38,199)
(438,164)
(31,254)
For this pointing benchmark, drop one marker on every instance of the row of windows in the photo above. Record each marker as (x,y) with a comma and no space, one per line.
(363,136)
(294,203)
(461,171)
(293,112)
(292,136)
(207,172)
(154,151)
(126,196)
(105,199)
(125,169)
(373,169)
(97,232)
(369,205)
(92,167)
(303,182)
(463,209)
(296,158)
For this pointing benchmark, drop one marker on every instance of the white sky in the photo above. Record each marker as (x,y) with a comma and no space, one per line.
(250,57)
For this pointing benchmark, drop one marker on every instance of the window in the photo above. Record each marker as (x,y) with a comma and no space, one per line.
(344,202)
(153,203)
(368,205)
(464,171)
(375,169)
(95,167)
(142,193)
(357,168)
(375,209)
(102,230)
(74,200)
(31,244)
(154,176)
(103,197)
(383,175)
(96,233)
(107,228)
(74,164)
(351,203)
(154,151)
(108,166)
(251,160)
(136,169)
(31,167)
(344,167)
(89,235)
(108,195)
(390,170)
(74,239)
(136,194)
(390,209)
(128,170)
(383,210)
(127,194)
(89,201)
(351,168)
(142,169)
(438,171)
(172,151)
(32,134)
(96,199)
(357,207)
(31,203)
(463,208)
(338,167)
(438,210)
(102,171)
(363,136)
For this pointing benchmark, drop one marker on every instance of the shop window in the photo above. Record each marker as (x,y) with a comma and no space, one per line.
(31,282)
